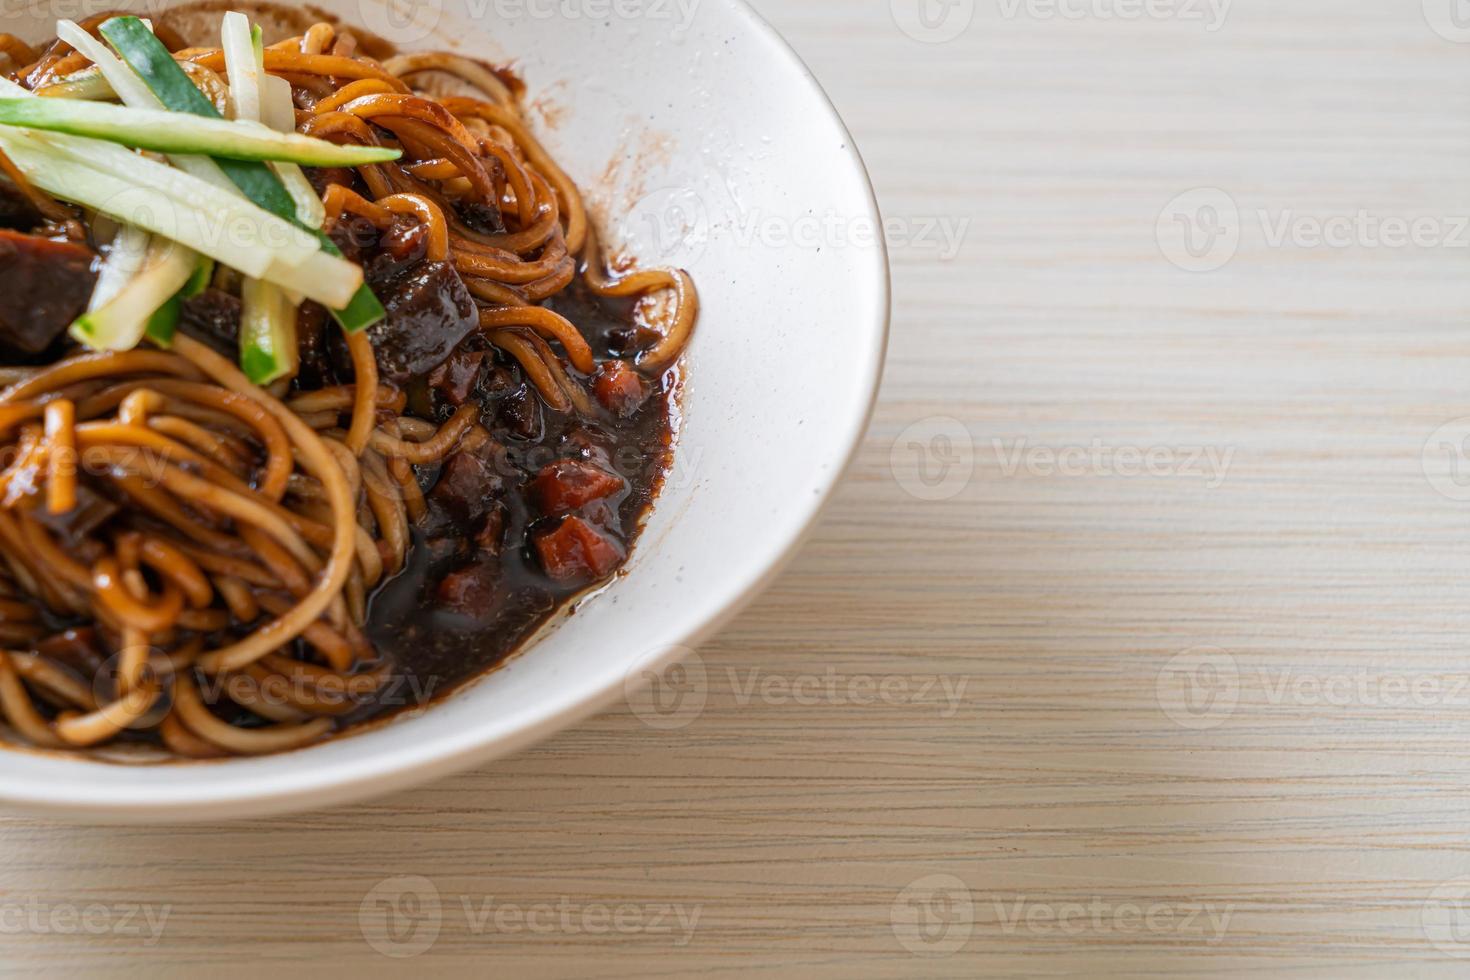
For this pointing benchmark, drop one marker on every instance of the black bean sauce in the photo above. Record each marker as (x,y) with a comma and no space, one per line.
(475,587)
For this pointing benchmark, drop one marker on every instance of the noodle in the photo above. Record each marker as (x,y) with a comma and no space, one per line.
(431,450)
(61,462)
(219,542)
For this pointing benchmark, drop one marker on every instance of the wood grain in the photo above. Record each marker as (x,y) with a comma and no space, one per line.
(1032,638)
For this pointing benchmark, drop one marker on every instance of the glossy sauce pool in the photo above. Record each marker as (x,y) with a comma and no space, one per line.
(434,650)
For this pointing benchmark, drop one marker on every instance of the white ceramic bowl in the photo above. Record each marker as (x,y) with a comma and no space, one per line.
(712,147)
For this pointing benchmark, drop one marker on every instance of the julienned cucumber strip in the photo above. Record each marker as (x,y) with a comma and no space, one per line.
(278,111)
(200,280)
(160,211)
(258,184)
(268,348)
(364,310)
(125,262)
(165,132)
(163,324)
(156,67)
(125,84)
(240,66)
(86,171)
(123,320)
(150,59)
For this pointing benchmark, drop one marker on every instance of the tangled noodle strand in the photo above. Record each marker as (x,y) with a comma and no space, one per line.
(222,541)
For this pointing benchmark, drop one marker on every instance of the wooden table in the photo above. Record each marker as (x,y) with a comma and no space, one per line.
(1136,643)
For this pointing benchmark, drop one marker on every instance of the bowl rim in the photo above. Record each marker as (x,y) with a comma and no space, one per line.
(369,777)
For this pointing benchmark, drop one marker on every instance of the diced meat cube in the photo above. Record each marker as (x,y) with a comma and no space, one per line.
(630,340)
(576,553)
(482,217)
(44,286)
(353,234)
(584,442)
(468,487)
(316,338)
(571,484)
(444,540)
(619,389)
(429,313)
(213,317)
(520,412)
(323,177)
(406,242)
(473,591)
(455,379)
(499,381)
(15,210)
(491,535)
